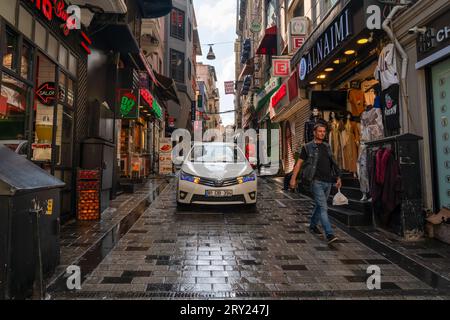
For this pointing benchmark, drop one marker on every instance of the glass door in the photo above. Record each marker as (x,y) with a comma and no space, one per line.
(441,98)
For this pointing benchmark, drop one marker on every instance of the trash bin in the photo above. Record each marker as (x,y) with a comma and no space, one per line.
(29,225)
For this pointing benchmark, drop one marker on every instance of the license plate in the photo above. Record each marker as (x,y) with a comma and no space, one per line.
(219,193)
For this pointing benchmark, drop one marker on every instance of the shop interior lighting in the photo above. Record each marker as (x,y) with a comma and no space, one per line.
(363,41)
(337,61)
(329,69)
(321,76)
(349,52)
(313,82)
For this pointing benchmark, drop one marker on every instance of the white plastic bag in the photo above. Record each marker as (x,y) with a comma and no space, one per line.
(339,199)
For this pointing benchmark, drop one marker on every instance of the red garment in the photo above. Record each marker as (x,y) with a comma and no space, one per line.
(383,156)
(386,188)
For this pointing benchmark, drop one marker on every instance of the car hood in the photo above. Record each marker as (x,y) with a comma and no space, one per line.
(217,170)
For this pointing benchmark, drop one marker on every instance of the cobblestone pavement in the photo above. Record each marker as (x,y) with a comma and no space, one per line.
(234,253)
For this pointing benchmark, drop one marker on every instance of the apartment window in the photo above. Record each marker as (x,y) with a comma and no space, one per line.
(326,5)
(271,16)
(189,70)
(177,24)
(190,31)
(177,65)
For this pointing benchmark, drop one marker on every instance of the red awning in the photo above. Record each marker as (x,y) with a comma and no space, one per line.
(268,44)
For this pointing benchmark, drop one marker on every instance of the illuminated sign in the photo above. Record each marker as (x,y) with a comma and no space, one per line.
(52,9)
(46,93)
(147,96)
(128,104)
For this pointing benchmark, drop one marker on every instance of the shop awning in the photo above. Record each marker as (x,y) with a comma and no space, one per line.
(116,37)
(266,99)
(165,88)
(155,8)
(268,44)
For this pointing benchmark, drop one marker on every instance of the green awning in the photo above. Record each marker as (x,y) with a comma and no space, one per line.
(263,101)
(156,109)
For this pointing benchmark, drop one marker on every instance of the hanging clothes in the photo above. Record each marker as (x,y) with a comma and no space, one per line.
(335,128)
(372,127)
(350,140)
(363,170)
(356,99)
(386,70)
(386,188)
(369,92)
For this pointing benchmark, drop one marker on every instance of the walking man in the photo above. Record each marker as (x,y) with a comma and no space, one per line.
(320,168)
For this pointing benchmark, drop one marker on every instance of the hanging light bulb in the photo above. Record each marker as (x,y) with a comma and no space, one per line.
(211,55)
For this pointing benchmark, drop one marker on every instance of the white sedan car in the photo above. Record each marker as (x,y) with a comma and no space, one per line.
(216,174)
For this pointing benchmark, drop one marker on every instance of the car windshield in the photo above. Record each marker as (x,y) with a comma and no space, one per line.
(216,153)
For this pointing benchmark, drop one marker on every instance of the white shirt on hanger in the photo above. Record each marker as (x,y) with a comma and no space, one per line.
(386,71)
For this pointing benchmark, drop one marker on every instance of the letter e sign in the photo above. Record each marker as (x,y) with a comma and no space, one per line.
(281,67)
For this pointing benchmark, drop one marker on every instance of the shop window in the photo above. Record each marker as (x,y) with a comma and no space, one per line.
(25,22)
(44,110)
(52,48)
(26,61)
(62,87)
(10,51)
(40,35)
(72,64)
(8,10)
(70,92)
(63,56)
(64,134)
(13,101)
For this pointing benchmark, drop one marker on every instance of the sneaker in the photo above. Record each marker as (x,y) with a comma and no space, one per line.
(315,230)
(331,239)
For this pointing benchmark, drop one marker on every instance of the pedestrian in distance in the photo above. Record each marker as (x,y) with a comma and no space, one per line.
(318,167)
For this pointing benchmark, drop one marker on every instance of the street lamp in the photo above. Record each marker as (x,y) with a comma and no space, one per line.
(211,55)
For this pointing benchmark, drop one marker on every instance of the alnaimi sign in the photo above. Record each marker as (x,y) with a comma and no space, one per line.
(327,43)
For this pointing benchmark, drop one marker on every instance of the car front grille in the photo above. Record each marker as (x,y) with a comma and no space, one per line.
(236,198)
(218,184)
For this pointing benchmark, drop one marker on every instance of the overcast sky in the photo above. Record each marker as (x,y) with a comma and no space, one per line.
(216,21)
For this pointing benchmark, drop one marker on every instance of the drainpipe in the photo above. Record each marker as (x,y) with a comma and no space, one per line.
(403,5)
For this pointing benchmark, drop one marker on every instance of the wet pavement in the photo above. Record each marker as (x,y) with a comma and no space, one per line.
(214,253)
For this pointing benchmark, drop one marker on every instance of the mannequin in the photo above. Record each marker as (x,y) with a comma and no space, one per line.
(335,126)
(309,125)
(350,143)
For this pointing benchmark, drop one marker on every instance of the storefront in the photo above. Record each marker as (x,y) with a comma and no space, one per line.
(432,64)
(351,77)
(42,99)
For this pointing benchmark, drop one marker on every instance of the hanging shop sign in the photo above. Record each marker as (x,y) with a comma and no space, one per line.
(128,104)
(69,15)
(299,26)
(433,41)
(327,43)
(295,43)
(193,111)
(171,121)
(281,67)
(229,87)
(156,109)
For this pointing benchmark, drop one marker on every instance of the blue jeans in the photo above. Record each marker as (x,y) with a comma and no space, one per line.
(321,191)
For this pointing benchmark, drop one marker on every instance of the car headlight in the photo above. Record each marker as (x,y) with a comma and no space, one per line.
(187,177)
(248,178)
